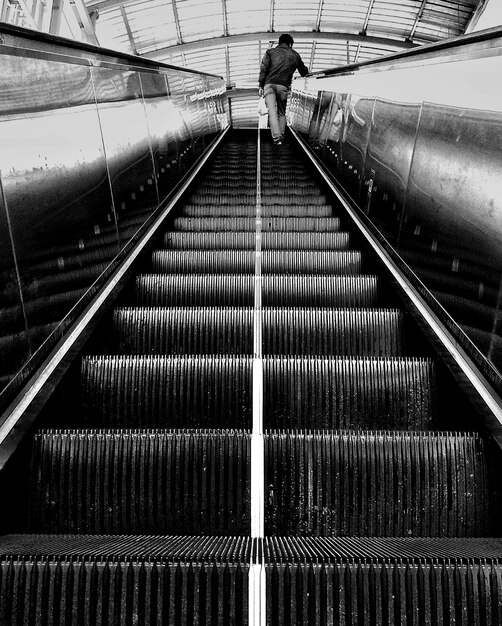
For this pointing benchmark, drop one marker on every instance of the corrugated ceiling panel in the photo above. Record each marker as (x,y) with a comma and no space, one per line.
(393,14)
(297,15)
(344,15)
(304,49)
(442,19)
(111,31)
(245,63)
(177,59)
(152,24)
(245,17)
(200,19)
(210,60)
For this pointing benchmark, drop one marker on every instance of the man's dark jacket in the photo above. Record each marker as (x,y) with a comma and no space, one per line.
(279,65)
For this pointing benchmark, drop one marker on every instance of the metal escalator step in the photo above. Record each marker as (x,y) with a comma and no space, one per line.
(98,591)
(141,482)
(390,484)
(311,262)
(363,332)
(69,580)
(159,548)
(296,549)
(290,198)
(195,290)
(204,261)
(386,590)
(215,210)
(240,240)
(236,240)
(243,262)
(166,392)
(183,331)
(227,187)
(219,224)
(285,331)
(365,392)
(305,240)
(287,190)
(320,291)
(222,198)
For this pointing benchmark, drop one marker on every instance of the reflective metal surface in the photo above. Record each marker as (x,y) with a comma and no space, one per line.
(417,146)
(89,148)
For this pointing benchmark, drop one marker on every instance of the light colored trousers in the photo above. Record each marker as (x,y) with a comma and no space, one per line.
(276,97)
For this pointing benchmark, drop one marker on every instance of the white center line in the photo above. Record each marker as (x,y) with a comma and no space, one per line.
(257,593)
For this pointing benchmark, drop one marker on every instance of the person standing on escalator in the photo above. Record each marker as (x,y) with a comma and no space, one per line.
(276,72)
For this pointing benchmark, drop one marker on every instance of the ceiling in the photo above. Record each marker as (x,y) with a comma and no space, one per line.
(229,37)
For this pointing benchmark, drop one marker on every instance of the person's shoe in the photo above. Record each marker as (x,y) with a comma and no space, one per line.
(278,143)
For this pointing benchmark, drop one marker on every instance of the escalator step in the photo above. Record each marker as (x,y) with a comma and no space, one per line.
(385,592)
(230,331)
(221,198)
(289,198)
(141,482)
(166,392)
(296,549)
(221,224)
(238,290)
(203,261)
(240,240)
(215,210)
(333,332)
(101,591)
(332,393)
(172,548)
(379,484)
(195,290)
(320,291)
(242,262)
(183,331)
(236,240)
(311,262)
(305,240)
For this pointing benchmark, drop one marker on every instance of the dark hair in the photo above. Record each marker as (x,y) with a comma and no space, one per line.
(286,39)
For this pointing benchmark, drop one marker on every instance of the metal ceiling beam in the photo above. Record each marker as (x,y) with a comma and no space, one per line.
(56,13)
(312,54)
(82,14)
(177,22)
(224,14)
(417,19)
(30,21)
(227,64)
(319,15)
(272,7)
(356,56)
(215,42)
(46,16)
(128,29)
(367,18)
(478,12)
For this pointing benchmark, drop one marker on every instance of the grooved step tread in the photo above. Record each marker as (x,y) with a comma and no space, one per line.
(216,391)
(360,332)
(275,550)
(240,262)
(219,224)
(247,240)
(141,482)
(238,290)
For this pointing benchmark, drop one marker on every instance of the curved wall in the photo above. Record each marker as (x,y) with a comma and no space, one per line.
(416,141)
(90,145)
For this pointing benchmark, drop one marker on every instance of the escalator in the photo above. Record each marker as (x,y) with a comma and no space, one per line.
(258,433)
